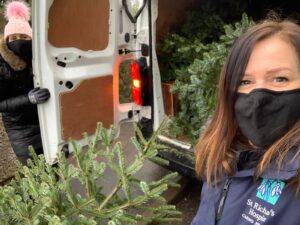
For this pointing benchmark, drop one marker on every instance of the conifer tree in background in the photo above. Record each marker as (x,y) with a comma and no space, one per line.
(196,82)
(41,194)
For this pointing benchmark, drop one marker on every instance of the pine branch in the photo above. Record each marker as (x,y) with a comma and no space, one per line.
(40,194)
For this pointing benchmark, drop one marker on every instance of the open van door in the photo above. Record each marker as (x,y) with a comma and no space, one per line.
(78,47)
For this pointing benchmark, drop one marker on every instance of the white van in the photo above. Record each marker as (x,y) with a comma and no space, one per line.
(78,47)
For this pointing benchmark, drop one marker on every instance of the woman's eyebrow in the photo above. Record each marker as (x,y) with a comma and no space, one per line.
(280,69)
(247,75)
(272,71)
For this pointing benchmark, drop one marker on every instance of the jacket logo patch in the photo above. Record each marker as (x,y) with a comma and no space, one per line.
(270,190)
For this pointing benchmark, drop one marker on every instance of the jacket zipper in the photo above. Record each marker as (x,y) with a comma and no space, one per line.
(222,199)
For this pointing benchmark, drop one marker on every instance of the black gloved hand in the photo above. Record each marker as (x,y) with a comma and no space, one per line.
(38,95)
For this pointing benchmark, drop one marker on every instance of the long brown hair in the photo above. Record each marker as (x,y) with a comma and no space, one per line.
(216,150)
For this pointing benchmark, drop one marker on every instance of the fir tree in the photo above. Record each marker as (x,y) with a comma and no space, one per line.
(43,194)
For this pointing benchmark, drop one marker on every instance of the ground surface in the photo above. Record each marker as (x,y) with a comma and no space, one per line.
(188,202)
(7,157)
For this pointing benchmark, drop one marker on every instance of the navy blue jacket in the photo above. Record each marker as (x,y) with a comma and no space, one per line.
(268,201)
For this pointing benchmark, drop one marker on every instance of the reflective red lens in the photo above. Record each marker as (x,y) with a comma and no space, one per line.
(136,89)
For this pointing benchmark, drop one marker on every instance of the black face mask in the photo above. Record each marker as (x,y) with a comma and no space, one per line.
(264,116)
(22,48)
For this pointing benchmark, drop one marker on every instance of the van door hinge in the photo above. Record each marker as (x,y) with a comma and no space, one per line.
(144,50)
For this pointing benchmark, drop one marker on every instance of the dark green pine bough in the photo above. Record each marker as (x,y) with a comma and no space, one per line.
(197,77)
(41,194)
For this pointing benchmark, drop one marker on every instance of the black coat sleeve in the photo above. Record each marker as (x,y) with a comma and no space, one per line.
(10,103)
(14,104)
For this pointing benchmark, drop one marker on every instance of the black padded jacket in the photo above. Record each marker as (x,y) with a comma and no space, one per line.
(19,116)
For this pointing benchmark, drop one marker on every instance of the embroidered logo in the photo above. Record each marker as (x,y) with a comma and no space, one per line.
(270,190)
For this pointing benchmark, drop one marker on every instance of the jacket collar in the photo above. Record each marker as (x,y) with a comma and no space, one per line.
(14,61)
(288,170)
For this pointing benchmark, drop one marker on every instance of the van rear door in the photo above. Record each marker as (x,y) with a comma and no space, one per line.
(78,47)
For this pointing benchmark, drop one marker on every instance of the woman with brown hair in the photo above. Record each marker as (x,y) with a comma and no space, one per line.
(249,155)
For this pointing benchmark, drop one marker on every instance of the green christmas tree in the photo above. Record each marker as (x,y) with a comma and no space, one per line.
(43,194)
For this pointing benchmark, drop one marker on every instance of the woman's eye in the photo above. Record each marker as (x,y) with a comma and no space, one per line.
(245,82)
(281,79)
(24,37)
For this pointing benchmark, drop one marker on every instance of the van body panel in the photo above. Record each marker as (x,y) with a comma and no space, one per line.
(76,55)
(82,108)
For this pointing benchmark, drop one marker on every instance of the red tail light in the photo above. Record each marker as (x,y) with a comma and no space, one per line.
(136,89)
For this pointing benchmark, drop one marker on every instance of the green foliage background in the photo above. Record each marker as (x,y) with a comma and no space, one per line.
(179,48)
(195,64)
